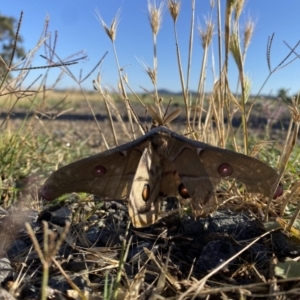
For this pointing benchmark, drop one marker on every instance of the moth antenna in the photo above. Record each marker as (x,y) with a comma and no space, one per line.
(145,116)
(167,108)
(155,116)
(160,106)
(172,115)
(136,116)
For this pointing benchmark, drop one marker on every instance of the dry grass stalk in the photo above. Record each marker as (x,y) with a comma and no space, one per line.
(112,32)
(150,72)
(155,19)
(287,198)
(295,215)
(206,37)
(191,42)
(183,85)
(123,256)
(50,248)
(235,49)
(97,85)
(290,142)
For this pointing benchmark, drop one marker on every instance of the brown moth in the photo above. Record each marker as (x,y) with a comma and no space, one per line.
(159,164)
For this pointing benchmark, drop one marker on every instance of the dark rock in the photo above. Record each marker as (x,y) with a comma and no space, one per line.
(58,282)
(93,218)
(6,270)
(214,254)
(286,246)
(16,247)
(227,222)
(29,291)
(137,249)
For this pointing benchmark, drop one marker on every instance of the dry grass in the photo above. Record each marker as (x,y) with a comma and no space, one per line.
(30,150)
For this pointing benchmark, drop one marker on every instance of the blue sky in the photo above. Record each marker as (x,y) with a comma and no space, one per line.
(78,29)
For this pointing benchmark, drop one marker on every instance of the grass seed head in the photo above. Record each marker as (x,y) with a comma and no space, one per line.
(155,15)
(174,8)
(294,109)
(248,33)
(234,47)
(206,33)
(239,5)
(247,86)
(152,73)
(231,4)
(111,30)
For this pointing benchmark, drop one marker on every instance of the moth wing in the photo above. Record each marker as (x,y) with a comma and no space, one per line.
(201,167)
(108,174)
(257,176)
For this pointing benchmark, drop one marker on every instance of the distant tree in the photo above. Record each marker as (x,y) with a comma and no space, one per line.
(283,93)
(8,27)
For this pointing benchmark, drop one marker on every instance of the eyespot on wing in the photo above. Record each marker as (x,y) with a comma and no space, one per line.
(279,191)
(47,192)
(225,170)
(183,192)
(99,171)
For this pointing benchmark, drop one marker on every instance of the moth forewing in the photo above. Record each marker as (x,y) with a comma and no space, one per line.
(257,176)
(108,174)
(219,163)
(104,175)
(144,201)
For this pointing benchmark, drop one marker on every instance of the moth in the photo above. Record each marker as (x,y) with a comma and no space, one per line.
(161,163)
